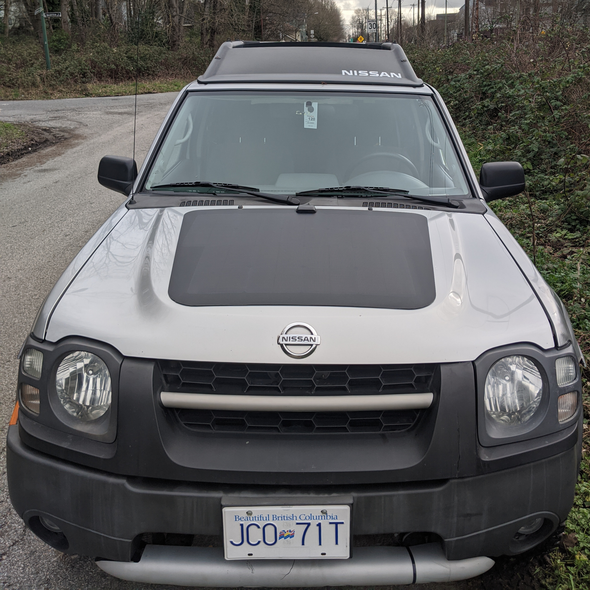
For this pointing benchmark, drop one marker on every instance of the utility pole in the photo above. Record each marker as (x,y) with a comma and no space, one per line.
(41,12)
(6,17)
(387,19)
(423,20)
(376,23)
(399,21)
(467,32)
(446,11)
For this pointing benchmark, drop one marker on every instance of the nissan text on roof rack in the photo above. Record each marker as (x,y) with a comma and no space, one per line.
(304,351)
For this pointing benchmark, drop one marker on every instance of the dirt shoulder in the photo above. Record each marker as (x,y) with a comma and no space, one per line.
(19,139)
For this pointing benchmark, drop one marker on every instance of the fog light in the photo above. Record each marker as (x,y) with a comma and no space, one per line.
(32,364)
(30,397)
(565,368)
(531,527)
(567,404)
(49,532)
(49,524)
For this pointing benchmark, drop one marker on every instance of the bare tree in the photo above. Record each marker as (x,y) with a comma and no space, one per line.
(64,6)
(35,19)
(214,21)
(6,17)
(358,22)
(325,20)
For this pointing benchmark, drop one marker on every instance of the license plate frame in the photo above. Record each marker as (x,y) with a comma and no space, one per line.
(286,532)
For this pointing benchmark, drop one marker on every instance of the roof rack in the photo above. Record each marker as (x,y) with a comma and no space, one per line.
(311,63)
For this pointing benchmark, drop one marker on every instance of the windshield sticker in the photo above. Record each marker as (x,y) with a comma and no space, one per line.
(310,115)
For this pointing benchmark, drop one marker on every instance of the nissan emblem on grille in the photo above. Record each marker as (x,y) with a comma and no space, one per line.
(298,340)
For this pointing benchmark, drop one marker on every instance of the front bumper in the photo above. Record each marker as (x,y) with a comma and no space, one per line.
(106,516)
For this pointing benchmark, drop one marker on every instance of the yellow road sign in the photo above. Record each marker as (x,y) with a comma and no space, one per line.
(360,39)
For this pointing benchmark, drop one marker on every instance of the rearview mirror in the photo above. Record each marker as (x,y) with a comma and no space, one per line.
(499,180)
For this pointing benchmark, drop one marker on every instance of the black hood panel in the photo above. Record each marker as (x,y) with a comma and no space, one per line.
(275,256)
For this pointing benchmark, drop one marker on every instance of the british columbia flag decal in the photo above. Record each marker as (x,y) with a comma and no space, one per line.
(288,534)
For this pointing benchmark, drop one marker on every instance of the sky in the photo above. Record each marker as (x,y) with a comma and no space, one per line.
(347,7)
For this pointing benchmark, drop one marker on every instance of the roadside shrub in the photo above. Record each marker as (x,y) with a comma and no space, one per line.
(530,102)
(22,62)
(59,42)
(21,59)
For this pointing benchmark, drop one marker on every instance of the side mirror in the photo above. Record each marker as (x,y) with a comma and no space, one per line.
(117,173)
(499,180)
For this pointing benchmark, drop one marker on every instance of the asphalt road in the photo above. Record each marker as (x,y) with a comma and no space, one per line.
(50,204)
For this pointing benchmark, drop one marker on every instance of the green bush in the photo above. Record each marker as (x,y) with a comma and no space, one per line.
(98,60)
(59,42)
(530,102)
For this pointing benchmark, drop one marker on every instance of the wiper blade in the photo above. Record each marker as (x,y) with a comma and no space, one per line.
(205,184)
(231,188)
(353,191)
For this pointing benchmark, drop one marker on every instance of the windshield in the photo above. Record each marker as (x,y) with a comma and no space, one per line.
(280,142)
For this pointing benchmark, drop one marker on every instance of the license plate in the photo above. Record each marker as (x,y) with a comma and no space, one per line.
(287,532)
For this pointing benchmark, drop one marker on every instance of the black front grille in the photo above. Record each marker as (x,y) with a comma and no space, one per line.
(298,422)
(297,380)
(258,379)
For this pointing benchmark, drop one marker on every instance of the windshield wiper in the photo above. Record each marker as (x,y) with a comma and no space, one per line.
(230,188)
(353,191)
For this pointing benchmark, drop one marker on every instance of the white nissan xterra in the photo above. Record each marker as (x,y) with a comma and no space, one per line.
(304,351)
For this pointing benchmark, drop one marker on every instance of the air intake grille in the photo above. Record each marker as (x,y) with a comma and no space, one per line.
(291,379)
(299,380)
(393,205)
(207,202)
(298,423)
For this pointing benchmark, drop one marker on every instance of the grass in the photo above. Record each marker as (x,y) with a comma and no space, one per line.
(13,138)
(9,134)
(570,564)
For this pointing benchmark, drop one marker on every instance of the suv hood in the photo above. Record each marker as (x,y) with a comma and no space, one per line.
(427,286)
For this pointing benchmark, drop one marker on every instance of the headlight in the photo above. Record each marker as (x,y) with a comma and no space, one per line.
(513,391)
(83,385)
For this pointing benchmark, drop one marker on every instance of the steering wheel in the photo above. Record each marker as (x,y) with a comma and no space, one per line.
(363,164)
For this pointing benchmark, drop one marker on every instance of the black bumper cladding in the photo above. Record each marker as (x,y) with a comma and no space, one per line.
(107,516)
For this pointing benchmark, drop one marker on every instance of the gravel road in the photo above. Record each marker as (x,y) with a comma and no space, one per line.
(50,205)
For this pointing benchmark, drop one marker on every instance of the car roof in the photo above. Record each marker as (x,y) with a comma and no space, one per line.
(311,63)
